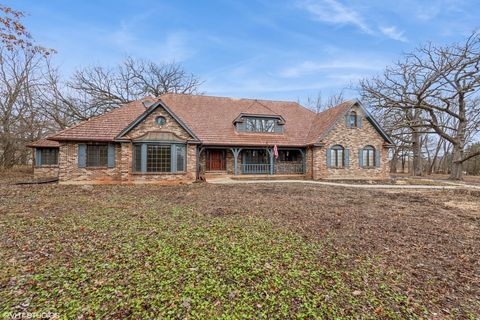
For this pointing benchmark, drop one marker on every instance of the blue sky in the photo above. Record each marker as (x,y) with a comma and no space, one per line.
(285,50)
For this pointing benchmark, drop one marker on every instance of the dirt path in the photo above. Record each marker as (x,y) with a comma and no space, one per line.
(339,184)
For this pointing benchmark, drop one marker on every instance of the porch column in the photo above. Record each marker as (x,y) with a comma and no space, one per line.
(304,161)
(270,154)
(236,152)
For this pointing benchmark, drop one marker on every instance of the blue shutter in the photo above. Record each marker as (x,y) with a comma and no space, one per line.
(278,127)
(359,120)
(82,155)
(143,158)
(173,158)
(38,157)
(346,158)
(360,158)
(111,155)
(347,122)
(329,156)
(377,158)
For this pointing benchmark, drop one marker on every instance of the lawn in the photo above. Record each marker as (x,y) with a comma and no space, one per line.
(250,251)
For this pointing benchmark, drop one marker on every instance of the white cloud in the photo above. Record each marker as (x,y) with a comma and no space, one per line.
(311,67)
(393,33)
(332,11)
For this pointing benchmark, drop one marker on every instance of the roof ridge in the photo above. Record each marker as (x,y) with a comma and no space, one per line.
(230,98)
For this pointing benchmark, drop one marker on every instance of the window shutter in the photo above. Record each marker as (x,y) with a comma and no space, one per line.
(377,158)
(278,128)
(359,121)
(111,155)
(360,158)
(82,155)
(329,157)
(347,122)
(346,159)
(173,157)
(38,157)
(143,164)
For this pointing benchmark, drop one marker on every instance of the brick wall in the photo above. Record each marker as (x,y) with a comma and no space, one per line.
(45,172)
(353,139)
(69,171)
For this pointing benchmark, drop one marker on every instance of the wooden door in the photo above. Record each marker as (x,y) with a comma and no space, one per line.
(215,160)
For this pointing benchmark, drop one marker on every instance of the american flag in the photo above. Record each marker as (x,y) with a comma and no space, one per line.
(275,151)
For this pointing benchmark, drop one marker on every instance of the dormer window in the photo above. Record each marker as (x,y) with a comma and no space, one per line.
(259,124)
(352,119)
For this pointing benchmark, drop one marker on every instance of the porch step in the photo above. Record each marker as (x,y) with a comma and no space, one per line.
(269,177)
(215,175)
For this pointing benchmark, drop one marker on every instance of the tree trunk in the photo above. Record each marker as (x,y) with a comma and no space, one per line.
(457,165)
(417,153)
(394,162)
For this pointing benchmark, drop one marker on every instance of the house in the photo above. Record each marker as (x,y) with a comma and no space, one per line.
(180,138)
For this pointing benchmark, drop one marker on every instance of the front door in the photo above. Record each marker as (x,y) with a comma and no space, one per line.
(215,160)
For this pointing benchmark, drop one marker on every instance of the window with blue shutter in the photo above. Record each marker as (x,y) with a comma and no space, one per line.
(82,155)
(329,158)
(359,121)
(347,158)
(377,158)
(360,158)
(158,157)
(111,155)
(337,156)
(38,157)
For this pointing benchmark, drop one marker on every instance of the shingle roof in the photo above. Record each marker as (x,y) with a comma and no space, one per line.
(104,127)
(211,120)
(45,143)
(326,119)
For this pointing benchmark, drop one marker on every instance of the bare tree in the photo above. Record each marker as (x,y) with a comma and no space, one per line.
(319,104)
(20,121)
(436,90)
(95,90)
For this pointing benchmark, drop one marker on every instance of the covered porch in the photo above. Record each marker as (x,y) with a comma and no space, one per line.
(252,160)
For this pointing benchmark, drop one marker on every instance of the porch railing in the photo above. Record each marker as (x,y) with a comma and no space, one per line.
(278,168)
(256,168)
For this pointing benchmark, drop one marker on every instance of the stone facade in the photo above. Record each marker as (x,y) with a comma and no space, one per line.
(42,172)
(352,139)
(122,172)
(316,168)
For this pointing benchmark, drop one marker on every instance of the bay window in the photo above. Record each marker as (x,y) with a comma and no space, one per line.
(159,158)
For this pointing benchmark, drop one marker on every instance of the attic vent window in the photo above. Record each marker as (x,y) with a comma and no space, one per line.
(160,120)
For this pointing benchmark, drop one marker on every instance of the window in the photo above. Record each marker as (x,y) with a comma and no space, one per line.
(369,156)
(160,120)
(288,155)
(352,119)
(260,125)
(151,157)
(337,156)
(97,155)
(47,157)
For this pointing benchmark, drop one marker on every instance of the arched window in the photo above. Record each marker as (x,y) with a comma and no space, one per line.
(337,156)
(369,156)
(352,119)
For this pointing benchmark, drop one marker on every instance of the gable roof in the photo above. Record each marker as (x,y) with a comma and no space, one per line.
(153,107)
(209,120)
(106,126)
